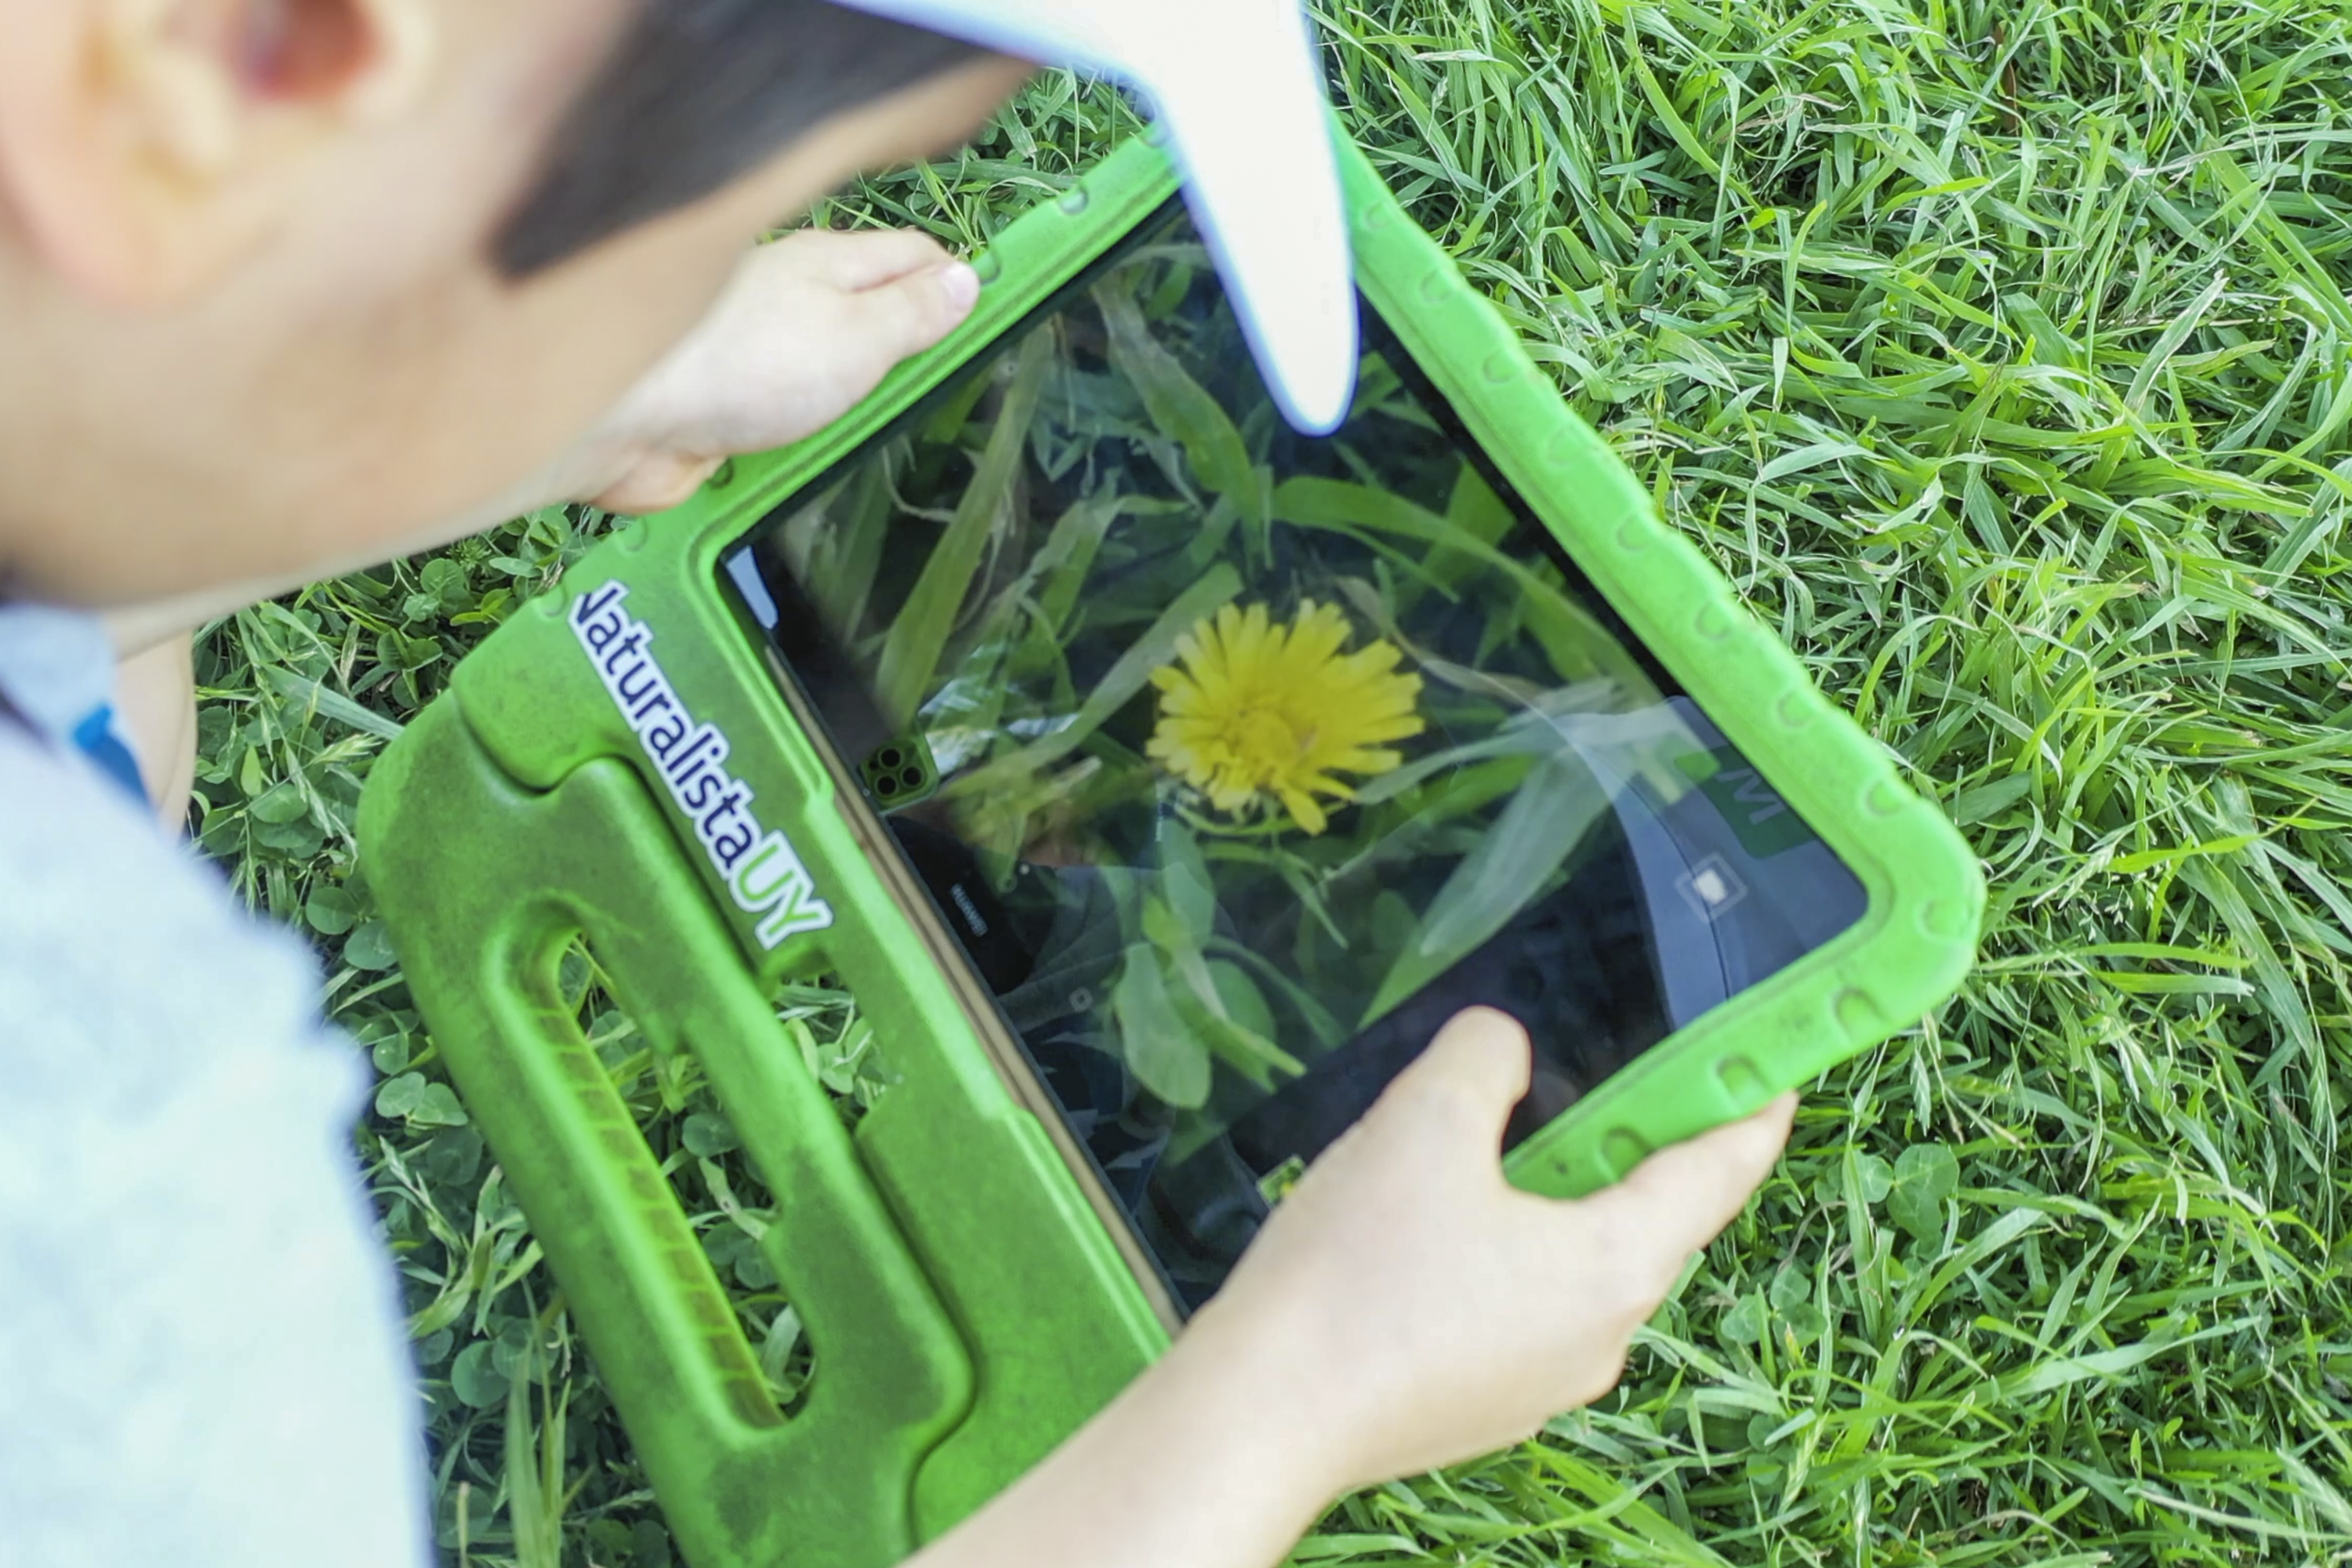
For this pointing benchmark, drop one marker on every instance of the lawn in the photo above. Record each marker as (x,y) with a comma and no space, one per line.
(2002,357)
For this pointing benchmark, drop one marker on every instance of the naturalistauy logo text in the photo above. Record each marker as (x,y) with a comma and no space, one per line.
(761,870)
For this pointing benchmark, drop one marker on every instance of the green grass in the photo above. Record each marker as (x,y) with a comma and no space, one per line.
(2004,358)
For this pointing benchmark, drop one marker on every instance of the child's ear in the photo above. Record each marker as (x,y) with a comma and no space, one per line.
(146,145)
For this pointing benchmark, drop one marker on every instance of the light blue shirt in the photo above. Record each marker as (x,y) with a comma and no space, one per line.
(200,1355)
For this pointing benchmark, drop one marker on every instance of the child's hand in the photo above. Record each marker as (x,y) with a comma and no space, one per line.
(811,324)
(1403,1309)
(1411,1309)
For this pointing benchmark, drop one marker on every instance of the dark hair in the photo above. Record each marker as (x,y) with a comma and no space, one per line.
(698,93)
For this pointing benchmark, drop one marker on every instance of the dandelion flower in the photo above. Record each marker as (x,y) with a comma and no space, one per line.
(1260,711)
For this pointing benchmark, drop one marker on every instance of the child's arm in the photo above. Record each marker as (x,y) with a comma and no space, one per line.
(1404,1309)
(156,710)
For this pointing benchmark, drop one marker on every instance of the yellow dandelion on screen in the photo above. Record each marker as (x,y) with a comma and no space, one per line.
(1259,710)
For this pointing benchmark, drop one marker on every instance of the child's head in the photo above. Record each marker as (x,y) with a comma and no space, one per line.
(289,286)
(282,281)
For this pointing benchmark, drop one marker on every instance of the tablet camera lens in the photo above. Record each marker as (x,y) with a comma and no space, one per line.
(900,774)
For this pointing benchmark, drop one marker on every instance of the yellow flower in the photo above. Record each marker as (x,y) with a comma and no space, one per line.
(1262,710)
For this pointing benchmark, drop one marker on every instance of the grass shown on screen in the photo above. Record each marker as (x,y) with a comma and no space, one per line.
(1338,736)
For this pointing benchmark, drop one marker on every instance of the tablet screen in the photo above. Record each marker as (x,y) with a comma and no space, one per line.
(1239,761)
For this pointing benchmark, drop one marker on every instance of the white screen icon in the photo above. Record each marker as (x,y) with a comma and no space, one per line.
(1712,887)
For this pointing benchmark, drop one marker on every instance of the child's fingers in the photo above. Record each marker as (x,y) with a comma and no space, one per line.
(864,259)
(657,482)
(1679,1199)
(1464,1085)
(905,316)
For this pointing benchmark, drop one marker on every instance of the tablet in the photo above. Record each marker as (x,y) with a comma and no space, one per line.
(1233,762)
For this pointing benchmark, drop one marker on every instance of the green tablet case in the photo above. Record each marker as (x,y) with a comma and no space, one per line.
(969,1305)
